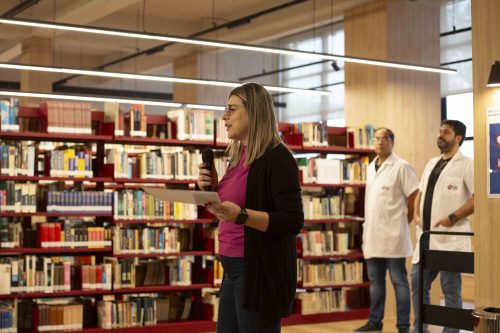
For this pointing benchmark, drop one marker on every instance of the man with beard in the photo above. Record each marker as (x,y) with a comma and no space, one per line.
(443,203)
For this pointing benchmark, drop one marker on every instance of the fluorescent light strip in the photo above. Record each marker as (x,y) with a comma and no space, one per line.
(106,99)
(238,46)
(153,78)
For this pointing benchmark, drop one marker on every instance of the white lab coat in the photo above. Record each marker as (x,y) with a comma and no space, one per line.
(386,233)
(454,187)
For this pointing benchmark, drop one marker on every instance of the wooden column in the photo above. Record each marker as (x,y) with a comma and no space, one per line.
(406,101)
(186,66)
(36,51)
(485,50)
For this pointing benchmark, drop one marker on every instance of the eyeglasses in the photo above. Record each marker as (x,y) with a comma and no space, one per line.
(230,109)
(382,139)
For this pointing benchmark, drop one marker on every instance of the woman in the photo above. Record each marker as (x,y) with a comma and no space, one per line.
(260,215)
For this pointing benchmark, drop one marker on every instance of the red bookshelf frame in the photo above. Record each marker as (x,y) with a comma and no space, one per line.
(147,180)
(157,255)
(2,214)
(58,294)
(189,326)
(355,255)
(159,289)
(359,185)
(336,286)
(158,142)
(332,150)
(106,135)
(58,250)
(339,220)
(38,178)
(57,137)
(169,221)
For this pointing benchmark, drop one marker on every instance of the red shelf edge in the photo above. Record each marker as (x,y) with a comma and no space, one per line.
(356,255)
(189,326)
(145,221)
(54,136)
(38,178)
(155,255)
(154,289)
(51,214)
(58,294)
(145,180)
(20,250)
(336,286)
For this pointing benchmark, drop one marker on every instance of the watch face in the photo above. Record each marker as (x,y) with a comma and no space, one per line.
(242,217)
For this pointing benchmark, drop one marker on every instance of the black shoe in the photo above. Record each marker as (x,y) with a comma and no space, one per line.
(404,330)
(369,327)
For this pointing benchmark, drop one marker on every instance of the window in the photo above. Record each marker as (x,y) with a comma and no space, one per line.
(300,107)
(460,107)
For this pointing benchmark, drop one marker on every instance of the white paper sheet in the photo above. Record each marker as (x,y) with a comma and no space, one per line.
(193,197)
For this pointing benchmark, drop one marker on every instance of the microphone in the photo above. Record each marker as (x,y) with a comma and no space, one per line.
(207,156)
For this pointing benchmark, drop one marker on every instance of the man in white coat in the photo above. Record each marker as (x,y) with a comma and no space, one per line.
(390,190)
(444,201)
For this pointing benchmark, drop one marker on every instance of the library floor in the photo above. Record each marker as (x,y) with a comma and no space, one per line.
(345,327)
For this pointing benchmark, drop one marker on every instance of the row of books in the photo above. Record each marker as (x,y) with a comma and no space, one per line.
(11,233)
(329,273)
(17,158)
(69,234)
(9,110)
(57,318)
(34,274)
(132,272)
(314,134)
(157,164)
(30,274)
(221,132)
(69,162)
(330,171)
(144,240)
(67,117)
(136,204)
(193,124)
(70,314)
(136,311)
(18,198)
(324,243)
(323,205)
(127,123)
(8,320)
(361,136)
(79,202)
(322,301)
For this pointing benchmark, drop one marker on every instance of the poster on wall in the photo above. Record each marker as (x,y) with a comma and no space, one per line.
(493,149)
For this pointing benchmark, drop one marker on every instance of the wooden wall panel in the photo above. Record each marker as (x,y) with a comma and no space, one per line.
(406,101)
(36,51)
(186,66)
(485,50)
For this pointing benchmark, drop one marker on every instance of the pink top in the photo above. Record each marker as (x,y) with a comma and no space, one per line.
(232,187)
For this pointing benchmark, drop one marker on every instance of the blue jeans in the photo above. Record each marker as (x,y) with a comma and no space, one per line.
(451,285)
(232,316)
(377,268)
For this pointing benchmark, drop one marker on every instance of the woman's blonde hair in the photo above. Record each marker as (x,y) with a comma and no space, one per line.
(262,126)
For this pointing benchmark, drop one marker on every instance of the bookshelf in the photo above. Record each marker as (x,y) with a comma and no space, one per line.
(103,133)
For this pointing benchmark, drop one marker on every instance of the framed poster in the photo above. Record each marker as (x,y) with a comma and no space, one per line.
(493,150)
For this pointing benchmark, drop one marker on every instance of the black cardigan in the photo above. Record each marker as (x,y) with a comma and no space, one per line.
(270,276)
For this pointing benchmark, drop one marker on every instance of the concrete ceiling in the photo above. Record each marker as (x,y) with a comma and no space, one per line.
(160,16)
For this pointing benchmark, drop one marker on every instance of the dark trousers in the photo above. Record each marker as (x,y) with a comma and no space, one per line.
(233,317)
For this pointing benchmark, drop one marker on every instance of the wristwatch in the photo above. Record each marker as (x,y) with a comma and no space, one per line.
(453,218)
(242,217)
